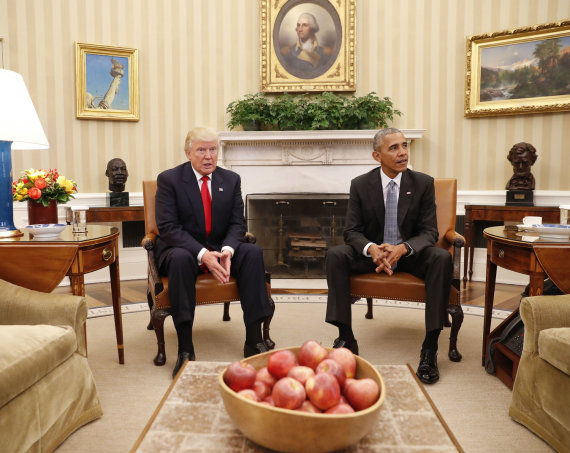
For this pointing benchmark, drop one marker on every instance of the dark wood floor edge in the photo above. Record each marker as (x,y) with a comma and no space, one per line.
(436,411)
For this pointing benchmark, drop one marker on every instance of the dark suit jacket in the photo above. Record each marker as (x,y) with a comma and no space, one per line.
(180,213)
(417,220)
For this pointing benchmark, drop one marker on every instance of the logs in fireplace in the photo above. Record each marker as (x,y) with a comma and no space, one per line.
(295,230)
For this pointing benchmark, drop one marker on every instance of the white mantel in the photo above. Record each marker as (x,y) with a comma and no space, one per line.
(300,161)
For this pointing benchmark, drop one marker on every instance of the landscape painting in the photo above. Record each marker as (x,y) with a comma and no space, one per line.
(524,70)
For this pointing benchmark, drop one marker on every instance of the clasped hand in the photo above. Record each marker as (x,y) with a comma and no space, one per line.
(386,255)
(219,264)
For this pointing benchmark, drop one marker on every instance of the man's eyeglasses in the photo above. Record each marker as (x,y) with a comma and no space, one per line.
(202,151)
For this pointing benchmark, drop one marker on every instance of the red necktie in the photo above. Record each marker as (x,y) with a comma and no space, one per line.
(207,202)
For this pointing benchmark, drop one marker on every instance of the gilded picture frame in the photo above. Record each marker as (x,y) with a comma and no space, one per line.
(106,82)
(524,70)
(325,63)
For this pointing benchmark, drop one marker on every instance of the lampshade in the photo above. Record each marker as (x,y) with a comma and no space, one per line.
(19,122)
(20,128)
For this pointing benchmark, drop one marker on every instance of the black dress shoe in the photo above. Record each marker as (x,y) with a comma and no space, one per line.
(182,357)
(257,348)
(348,344)
(427,369)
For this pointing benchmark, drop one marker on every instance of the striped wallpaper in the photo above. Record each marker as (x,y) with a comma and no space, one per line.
(196,56)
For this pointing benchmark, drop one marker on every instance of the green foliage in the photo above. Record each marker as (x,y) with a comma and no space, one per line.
(325,110)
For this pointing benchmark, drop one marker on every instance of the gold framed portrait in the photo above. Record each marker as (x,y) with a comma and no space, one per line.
(308,45)
(106,82)
(524,70)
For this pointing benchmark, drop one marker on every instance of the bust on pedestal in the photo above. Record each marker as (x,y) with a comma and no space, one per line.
(117,173)
(520,188)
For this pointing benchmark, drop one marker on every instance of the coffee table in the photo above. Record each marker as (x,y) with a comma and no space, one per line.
(192,417)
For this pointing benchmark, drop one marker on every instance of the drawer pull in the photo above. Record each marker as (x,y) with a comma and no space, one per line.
(501,253)
(107,254)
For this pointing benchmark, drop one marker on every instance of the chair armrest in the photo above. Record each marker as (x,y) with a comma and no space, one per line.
(249,238)
(22,306)
(454,238)
(148,241)
(543,312)
(154,278)
(456,241)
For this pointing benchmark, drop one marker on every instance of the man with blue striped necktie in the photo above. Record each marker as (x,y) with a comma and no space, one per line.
(391,225)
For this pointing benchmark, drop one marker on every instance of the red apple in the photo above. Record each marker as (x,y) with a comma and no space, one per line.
(280,362)
(301,373)
(264,376)
(346,358)
(323,390)
(261,389)
(288,393)
(249,394)
(340,408)
(311,354)
(307,406)
(333,367)
(239,375)
(361,393)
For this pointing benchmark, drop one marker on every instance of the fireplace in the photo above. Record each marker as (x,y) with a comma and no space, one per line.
(295,230)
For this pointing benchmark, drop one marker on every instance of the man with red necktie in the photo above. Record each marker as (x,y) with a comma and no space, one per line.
(200,218)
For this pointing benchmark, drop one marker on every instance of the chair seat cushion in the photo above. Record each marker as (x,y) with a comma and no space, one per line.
(554,347)
(399,286)
(29,352)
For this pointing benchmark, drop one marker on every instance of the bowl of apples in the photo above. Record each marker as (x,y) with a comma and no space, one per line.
(304,399)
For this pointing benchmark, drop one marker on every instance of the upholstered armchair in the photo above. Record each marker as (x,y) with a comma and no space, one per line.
(541,391)
(208,289)
(404,286)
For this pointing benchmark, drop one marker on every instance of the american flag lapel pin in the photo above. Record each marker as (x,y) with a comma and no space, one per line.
(408,193)
(221,189)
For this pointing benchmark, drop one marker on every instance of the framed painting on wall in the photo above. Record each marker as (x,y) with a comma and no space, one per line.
(106,82)
(525,70)
(307,45)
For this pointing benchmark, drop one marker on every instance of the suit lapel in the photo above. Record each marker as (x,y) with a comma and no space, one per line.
(192,191)
(376,194)
(405,198)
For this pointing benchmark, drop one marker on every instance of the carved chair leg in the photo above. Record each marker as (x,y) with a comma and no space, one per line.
(226,316)
(157,317)
(150,305)
(265,331)
(369,314)
(456,313)
(447,322)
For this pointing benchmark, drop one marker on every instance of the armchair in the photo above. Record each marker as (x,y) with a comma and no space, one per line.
(405,286)
(208,289)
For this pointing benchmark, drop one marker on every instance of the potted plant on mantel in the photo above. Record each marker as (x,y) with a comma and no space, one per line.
(326,110)
(43,190)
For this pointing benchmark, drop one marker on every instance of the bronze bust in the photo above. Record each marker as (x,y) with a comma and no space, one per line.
(117,173)
(522,156)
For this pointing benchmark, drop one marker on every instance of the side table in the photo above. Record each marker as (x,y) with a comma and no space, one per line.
(530,254)
(501,213)
(41,264)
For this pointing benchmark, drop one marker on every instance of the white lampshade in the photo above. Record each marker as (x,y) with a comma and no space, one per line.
(19,122)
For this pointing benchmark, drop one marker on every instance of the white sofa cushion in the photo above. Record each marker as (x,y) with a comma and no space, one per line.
(29,353)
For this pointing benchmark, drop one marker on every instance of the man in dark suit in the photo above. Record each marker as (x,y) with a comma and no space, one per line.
(199,215)
(371,244)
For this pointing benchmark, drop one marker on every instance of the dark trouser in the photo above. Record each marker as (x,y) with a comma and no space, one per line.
(433,264)
(247,267)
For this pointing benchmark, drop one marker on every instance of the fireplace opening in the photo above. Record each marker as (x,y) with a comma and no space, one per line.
(295,230)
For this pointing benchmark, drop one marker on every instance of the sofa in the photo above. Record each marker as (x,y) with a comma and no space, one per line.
(47,389)
(541,391)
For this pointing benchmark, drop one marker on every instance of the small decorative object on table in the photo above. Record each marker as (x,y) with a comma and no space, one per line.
(117,173)
(520,188)
(43,190)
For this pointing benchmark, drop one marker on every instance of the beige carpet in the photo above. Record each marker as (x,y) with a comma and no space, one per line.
(473,403)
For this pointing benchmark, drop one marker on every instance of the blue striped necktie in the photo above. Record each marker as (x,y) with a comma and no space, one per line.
(391,218)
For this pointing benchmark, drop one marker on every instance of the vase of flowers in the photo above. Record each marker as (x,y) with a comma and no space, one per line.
(43,190)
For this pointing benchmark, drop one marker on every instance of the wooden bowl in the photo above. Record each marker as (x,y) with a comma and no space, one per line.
(295,431)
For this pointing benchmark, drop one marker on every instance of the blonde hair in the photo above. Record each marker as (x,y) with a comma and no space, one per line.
(206,134)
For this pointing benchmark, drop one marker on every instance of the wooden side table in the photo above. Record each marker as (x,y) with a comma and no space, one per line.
(111,214)
(501,213)
(41,264)
(528,254)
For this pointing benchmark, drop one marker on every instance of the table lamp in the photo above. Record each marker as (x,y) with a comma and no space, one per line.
(20,128)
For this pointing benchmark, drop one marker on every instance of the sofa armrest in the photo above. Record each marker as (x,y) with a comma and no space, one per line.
(24,306)
(543,312)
